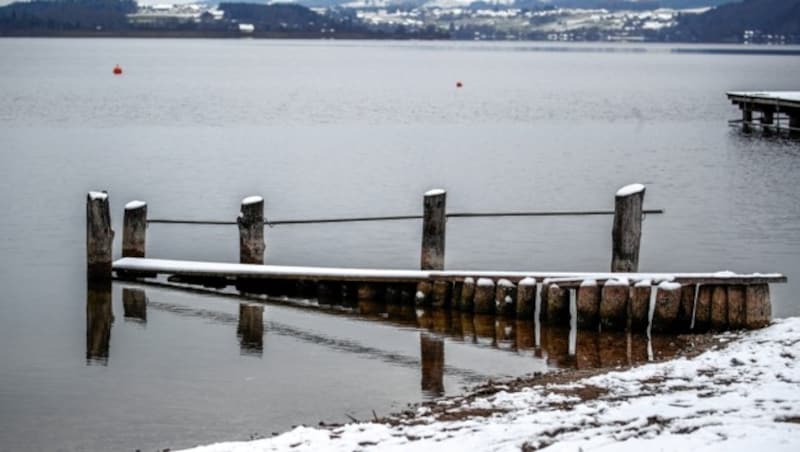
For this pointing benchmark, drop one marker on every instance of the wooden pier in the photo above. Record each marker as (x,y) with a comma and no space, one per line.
(777,111)
(618,300)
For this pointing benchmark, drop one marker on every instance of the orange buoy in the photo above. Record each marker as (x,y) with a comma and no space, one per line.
(459,84)
(117,70)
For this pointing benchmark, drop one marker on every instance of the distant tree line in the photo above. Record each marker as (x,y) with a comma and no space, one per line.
(67,14)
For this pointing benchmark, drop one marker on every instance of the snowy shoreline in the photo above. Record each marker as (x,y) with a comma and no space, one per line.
(742,396)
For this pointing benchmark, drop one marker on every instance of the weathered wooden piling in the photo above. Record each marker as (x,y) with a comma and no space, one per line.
(366,292)
(688,298)
(251,230)
(99,237)
(719,308)
(526,298)
(423,295)
(702,312)
(614,305)
(557,305)
(134,229)
(484,296)
(736,307)
(505,297)
(440,294)
(758,310)
(639,306)
(626,234)
(465,303)
(588,304)
(668,303)
(433,230)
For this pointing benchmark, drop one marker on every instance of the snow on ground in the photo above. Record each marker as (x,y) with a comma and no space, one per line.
(745,396)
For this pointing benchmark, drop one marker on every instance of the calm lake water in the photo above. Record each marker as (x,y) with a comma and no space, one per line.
(327,129)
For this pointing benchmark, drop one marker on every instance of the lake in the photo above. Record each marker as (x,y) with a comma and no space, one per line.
(336,129)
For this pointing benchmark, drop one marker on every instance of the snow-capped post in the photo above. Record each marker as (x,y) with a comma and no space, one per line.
(588,304)
(627,232)
(251,230)
(668,304)
(99,237)
(484,296)
(134,229)
(639,306)
(526,298)
(614,305)
(433,230)
(557,308)
(505,297)
(467,295)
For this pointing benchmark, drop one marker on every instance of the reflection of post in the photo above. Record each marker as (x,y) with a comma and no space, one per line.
(99,317)
(432,353)
(134,302)
(251,329)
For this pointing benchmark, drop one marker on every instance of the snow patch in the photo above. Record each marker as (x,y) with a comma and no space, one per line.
(98,195)
(630,189)
(133,205)
(252,200)
(435,192)
(485,282)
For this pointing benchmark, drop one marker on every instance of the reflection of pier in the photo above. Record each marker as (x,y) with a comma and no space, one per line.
(251,328)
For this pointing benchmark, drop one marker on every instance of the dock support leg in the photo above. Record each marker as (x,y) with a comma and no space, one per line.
(99,237)
(767,120)
(747,118)
(251,231)
(794,124)
(433,230)
(627,232)
(134,229)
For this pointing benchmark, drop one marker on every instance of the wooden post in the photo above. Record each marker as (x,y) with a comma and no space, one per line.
(719,308)
(526,298)
(423,295)
(747,117)
(433,230)
(736,307)
(134,229)
(614,305)
(627,232)
(557,308)
(668,304)
(794,124)
(588,304)
(99,237)
(639,306)
(484,296)
(505,295)
(251,231)
(467,295)
(441,294)
(702,314)
(758,310)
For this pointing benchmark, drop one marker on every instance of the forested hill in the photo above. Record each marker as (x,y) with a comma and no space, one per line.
(727,23)
(67,15)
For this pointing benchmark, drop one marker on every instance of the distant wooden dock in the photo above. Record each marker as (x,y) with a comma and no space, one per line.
(777,110)
(621,299)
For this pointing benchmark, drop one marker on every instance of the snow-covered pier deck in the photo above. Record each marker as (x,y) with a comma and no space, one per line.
(618,301)
(778,110)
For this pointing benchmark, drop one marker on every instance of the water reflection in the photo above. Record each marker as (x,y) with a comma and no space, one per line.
(432,357)
(134,303)
(559,347)
(99,317)
(250,329)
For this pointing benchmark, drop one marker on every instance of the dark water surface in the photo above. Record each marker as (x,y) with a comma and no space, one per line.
(326,129)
